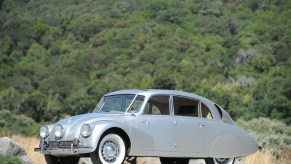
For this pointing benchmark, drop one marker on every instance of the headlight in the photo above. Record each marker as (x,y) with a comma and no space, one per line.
(58,129)
(86,130)
(44,131)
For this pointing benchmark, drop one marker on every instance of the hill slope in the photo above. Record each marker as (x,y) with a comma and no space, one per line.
(60,57)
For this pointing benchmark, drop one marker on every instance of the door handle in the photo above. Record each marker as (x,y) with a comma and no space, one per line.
(201,125)
(146,122)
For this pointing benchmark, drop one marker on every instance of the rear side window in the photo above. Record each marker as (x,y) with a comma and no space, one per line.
(219,110)
(206,113)
(185,106)
(224,115)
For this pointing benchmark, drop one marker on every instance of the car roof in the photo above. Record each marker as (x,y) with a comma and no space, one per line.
(160,91)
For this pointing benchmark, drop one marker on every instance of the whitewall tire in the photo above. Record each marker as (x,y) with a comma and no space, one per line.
(111,150)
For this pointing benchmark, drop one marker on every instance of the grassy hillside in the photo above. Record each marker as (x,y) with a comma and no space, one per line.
(59,57)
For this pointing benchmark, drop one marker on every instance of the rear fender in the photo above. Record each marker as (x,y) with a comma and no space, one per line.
(234,143)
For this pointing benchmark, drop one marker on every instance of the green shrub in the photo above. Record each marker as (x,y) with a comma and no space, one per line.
(15,124)
(270,134)
(4,132)
(9,160)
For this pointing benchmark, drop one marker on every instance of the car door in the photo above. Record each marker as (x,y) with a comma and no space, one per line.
(189,128)
(156,125)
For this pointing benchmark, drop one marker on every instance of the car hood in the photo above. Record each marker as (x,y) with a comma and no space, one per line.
(90,117)
(73,124)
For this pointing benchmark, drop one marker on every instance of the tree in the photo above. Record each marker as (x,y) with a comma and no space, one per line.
(272,98)
(34,105)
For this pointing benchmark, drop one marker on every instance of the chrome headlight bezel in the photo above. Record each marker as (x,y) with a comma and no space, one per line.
(59,131)
(86,130)
(44,132)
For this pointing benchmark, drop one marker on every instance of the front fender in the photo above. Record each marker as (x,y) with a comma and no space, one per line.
(99,128)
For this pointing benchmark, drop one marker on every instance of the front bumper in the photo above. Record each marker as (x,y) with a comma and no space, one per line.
(64,151)
(62,148)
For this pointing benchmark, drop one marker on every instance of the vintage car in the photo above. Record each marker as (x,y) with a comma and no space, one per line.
(173,125)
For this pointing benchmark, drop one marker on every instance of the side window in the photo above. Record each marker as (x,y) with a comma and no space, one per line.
(224,116)
(219,110)
(135,107)
(157,105)
(206,113)
(185,106)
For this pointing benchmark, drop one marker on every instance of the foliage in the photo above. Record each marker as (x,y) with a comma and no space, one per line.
(270,134)
(13,124)
(272,97)
(60,57)
(9,160)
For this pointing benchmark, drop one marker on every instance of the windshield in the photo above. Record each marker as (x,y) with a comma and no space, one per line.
(114,103)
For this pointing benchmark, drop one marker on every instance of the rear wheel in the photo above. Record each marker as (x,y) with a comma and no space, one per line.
(165,160)
(110,150)
(50,159)
(219,160)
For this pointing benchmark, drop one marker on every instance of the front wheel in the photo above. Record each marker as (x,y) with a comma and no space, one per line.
(110,150)
(50,159)
(219,160)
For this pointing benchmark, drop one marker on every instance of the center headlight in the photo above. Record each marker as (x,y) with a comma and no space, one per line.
(58,130)
(86,130)
(44,131)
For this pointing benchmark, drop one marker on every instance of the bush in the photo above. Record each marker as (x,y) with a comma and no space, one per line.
(14,124)
(9,160)
(270,134)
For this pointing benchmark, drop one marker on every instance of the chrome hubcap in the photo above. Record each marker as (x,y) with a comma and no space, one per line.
(110,151)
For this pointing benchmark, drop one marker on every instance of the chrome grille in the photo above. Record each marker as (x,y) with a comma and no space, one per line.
(60,144)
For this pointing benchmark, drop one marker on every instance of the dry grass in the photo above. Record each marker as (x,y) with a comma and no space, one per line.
(267,157)
(285,156)
(29,143)
(261,157)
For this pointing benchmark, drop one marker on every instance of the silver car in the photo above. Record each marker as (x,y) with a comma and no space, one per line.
(173,125)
